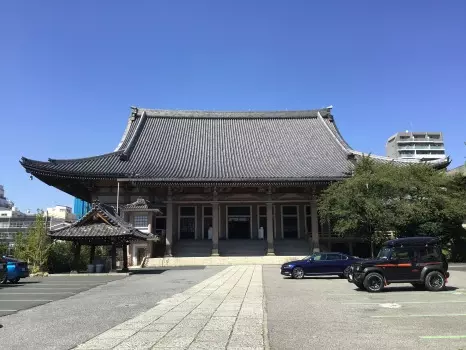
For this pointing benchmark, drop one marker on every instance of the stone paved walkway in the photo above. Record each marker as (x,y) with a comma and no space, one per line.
(222,312)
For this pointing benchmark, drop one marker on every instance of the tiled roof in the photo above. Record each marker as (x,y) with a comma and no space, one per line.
(206,147)
(143,205)
(102,223)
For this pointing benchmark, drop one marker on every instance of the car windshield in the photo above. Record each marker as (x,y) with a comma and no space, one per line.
(384,253)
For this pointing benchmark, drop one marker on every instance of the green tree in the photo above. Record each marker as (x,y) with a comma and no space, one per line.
(38,244)
(20,249)
(3,249)
(410,200)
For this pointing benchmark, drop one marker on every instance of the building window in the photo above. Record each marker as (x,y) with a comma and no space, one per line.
(290,227)
(207,222)
(263,220)
(239,211)
(308,220)
(187,211)
(263,210)
(207,211)
(187,222)
(160,222)
(323,226)
(140,221)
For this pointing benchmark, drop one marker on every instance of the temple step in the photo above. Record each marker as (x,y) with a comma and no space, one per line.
(242,247)
(193,247)
(290,247)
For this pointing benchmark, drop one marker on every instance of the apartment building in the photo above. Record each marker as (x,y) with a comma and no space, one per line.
(416,145)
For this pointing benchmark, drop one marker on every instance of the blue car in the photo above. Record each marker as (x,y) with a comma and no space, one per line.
(320,264)
(16,269)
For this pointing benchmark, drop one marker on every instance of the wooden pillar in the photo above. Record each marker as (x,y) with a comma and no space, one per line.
(169,227)
(125,257)
(215,224)
(113,253)
(315,226)
(77,253)
(270,228)
(92,254)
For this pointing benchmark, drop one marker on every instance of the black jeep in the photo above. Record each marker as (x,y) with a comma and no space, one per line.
(415,260)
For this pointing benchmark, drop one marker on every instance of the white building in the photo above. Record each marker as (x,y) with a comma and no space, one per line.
(61,212)
(11,213)
(7,207)
(4,203)
(416,145)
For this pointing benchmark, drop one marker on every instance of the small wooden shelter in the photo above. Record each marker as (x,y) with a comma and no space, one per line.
(101,226)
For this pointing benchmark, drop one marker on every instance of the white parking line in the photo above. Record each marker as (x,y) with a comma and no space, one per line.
(409,302)
(393,293)
(408,316)
(34,300)
(443,337)
(45,288)
(62,283)
(17,293)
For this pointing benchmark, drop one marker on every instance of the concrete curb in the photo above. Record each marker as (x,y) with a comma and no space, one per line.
(219,261)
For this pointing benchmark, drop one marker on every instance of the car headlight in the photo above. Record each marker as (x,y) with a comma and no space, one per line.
(287,266)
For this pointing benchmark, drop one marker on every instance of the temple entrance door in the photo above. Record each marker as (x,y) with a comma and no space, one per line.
(239,227)
(187,222)
(187,228)
(239,222)
(290,221)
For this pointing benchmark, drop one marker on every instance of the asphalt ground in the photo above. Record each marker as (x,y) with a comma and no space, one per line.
(72,319)
(34,291)
(330,313)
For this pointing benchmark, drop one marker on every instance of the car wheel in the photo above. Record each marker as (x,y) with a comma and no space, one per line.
(373,282)
(3,281)
(14,280)
(297,273)
(346,272)
(418,286)
(435,281)
(359,285)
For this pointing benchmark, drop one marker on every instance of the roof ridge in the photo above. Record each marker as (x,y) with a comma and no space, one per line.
(345,149)
(125,133)
(134,137)
(217,114)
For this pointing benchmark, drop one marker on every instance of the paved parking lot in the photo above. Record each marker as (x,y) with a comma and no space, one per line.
(30,292)
(330,313)
(70,321)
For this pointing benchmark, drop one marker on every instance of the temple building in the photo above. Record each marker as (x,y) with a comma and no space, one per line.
(218,177)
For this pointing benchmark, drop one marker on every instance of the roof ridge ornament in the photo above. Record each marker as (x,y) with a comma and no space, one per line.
(132,142)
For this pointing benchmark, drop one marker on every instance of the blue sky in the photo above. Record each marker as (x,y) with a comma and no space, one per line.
(70,70)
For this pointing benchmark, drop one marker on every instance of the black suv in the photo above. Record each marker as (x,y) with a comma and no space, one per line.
(415,260)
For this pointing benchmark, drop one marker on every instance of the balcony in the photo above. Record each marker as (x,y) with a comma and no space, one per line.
(420,141)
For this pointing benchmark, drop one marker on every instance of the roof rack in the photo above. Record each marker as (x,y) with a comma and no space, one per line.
(412,241)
